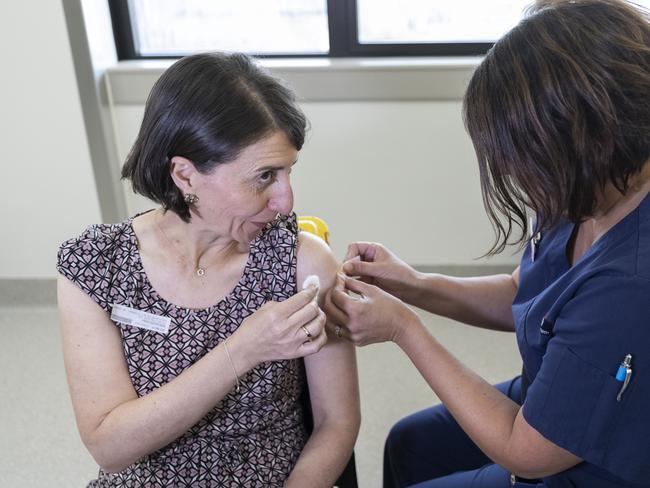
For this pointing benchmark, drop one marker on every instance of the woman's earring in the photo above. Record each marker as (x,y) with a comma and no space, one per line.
(190,198)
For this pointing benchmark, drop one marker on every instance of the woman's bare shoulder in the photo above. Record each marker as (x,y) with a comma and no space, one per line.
(316,258)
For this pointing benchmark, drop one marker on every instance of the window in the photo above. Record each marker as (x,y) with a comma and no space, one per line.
(173,28)
(176,28)
(426,21)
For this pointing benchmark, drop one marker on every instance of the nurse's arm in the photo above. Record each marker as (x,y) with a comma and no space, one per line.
(493,421)
(483,301)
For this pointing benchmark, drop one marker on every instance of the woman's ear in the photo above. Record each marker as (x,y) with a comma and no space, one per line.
(183,173)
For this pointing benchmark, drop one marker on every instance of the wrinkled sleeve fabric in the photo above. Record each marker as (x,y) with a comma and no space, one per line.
(573,399)
(277,250)
(87,261)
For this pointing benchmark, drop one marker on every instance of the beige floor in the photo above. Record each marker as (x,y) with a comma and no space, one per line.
(40,447)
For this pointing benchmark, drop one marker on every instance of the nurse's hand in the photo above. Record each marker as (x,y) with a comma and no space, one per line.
(376,265)
(367,315)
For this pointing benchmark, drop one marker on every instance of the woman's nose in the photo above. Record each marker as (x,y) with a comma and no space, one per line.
(282,199)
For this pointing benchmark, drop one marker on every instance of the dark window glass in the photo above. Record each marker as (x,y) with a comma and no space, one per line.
(173,28)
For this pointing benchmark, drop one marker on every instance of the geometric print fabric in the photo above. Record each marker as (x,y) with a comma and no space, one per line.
(252,438)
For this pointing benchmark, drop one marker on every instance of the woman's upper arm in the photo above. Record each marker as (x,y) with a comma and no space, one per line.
(96,370)
(332,372)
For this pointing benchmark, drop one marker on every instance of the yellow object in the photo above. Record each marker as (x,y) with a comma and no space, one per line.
(314,225)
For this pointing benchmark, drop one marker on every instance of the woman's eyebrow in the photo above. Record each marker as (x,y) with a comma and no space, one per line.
(273,168)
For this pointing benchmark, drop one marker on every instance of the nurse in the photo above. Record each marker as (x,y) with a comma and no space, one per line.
(559,114)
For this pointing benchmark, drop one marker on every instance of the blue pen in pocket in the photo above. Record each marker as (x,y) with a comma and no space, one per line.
(623,375)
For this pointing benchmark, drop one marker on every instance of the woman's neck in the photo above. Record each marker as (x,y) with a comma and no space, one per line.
(614,206)
(194,241)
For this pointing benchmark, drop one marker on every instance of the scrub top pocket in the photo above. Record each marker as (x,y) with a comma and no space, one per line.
(573,404)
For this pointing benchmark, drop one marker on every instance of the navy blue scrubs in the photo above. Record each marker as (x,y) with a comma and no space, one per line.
(575,325)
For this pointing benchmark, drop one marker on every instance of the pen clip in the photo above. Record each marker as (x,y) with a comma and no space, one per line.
(534,245)
(535,237)
(626,368)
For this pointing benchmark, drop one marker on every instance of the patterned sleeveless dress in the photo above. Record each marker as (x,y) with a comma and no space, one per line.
(249,439)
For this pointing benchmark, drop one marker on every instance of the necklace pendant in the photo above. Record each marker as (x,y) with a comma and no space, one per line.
(200,271)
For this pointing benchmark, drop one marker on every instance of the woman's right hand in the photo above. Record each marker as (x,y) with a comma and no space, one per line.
(278,330)
(376,265)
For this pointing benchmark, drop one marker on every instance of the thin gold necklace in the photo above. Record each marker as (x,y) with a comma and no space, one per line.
(199,270)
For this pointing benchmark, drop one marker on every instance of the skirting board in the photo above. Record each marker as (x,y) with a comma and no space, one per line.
(28,292)
(42,292)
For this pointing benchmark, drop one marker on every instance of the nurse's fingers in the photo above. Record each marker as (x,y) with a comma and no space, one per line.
(364,250)
(334,313)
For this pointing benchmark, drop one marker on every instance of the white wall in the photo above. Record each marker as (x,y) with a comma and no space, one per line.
(402,173)
(48,192)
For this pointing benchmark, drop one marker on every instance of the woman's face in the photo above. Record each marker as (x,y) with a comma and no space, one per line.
(239,198)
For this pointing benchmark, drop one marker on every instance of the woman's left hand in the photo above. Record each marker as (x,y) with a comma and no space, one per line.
(371,316)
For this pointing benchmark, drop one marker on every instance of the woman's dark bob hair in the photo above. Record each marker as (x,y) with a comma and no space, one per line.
(207,108)
(558,109)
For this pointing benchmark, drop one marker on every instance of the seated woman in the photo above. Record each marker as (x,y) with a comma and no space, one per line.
(183,328)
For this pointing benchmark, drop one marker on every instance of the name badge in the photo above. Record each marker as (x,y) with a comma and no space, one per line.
(140,318)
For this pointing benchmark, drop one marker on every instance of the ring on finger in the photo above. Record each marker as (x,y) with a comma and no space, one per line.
(306,331)
(338,330)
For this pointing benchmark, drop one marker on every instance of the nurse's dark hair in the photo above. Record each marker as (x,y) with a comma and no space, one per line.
(558,108)
(207,108)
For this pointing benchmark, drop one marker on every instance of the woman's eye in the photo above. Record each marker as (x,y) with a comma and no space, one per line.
(266,176)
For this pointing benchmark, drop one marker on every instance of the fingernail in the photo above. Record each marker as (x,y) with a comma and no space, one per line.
(341,276)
